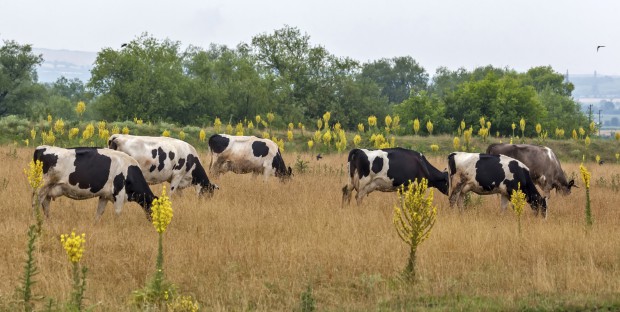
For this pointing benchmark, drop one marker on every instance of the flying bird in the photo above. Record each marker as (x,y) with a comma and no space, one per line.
(123,45)
(319,156)
(598,47)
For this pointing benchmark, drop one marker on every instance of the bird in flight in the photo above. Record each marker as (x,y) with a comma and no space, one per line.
(319,156)
(598,47)
(124,45)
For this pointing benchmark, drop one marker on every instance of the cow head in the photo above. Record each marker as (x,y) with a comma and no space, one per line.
(285,175)
(207,190)
(565,188)
(539,204)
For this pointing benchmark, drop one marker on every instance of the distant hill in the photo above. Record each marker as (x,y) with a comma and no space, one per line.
(596,86)
(71,64)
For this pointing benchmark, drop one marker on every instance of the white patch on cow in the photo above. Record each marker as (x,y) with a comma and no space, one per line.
(463,180)
(238,157)
(56,180)
(504,161)
(141,148)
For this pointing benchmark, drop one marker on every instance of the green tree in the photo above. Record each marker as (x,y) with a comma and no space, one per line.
(145,79)
(18,78)
(424,107)
(226,84)
(544,77)
(397,77)
(302,78)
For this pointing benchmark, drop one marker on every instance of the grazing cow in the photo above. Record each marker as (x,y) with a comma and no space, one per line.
(386,170)
(164,159)
(486,174)
(87,172)
(244,154)
(544,167)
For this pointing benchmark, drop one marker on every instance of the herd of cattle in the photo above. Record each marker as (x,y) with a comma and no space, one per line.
(123,171)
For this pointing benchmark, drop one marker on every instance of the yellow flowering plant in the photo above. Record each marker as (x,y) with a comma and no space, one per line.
(34,173)
(80,108)
(372,121)
(429,127)
(357,139)
(217,125)
(585,176)
(202,136)
(161,212)
(416,126)
(74,247)
(414,218)
(125,130)
(517,199)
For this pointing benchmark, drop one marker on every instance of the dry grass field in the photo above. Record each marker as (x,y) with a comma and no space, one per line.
(259,245)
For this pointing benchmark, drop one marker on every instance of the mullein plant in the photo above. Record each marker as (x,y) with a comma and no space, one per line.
(585,175)
(74,246)
(414,218)
(158,291)
(34,174)
(517,199)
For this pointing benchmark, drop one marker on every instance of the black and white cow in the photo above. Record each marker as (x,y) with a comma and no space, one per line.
(245,154)
(486,174)
(386,170)
(545,168)
(164,159)
(87,172)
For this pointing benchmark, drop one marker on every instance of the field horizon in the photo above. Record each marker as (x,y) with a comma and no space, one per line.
(261,245)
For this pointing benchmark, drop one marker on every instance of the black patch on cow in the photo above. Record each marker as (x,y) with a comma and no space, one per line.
(119,184)
(162,159)
(179,164)
(278,164)
(218,143)
(191,159)
(153,167)
(489,172)
(171,155)
(199,175)
(377,164)
(137,189)
(518,176)
(48,160)
(260,149)
(112,144)
(405,166)
(358,161)
(451,164)
(154,153)
(91,169)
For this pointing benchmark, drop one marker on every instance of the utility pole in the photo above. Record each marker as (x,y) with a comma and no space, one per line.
(589,114)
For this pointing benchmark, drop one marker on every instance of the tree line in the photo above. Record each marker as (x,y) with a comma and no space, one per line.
(283,73)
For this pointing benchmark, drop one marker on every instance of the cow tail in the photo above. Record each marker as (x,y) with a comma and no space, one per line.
(211,161)
(451,169)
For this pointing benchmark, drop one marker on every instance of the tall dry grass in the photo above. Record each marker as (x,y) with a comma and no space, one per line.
(259,245)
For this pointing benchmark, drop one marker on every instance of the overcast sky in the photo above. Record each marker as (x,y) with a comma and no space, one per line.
(452,33)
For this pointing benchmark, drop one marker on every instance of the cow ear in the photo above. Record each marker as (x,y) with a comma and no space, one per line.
(290,170)
(571,183)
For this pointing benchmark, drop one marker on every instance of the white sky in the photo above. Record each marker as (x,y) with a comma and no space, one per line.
(519,34)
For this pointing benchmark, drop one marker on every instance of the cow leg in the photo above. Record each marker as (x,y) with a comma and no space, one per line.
(347,192)
(504,203)
(460,203)
(45,204)
(268,171)
(455,196)
(44,201)
(100,208)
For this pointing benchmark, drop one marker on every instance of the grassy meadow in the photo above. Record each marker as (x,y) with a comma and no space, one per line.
(263,245)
